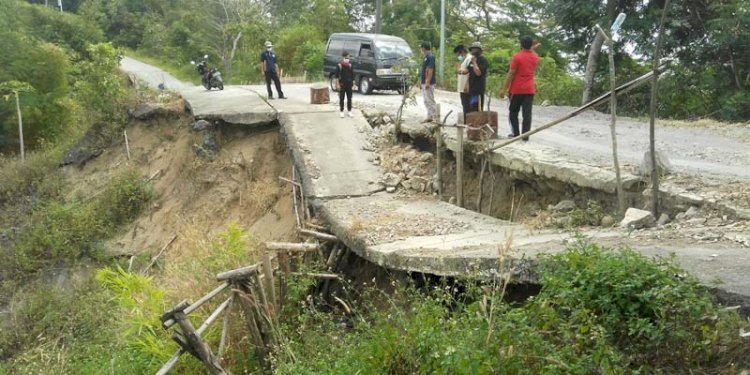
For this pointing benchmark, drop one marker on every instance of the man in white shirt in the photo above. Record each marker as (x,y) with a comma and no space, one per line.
(462,69)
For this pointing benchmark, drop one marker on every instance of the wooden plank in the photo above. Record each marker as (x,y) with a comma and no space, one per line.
(238,273)
(225,327)
(198,345)
(460,167)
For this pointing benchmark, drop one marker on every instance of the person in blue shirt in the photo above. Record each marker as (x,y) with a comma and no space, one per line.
(270,69)
(428,82)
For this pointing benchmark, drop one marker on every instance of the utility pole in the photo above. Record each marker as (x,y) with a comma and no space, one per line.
(378,15)
(441,66)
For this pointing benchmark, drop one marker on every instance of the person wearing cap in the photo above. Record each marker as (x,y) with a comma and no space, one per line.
(345,83)
(462,69)
(270,69)
(428,82)
(519,85)
(477,77)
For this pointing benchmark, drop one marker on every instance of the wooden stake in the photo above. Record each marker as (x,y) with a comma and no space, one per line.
(268,273)
(613,122)
(294,200)
(460,167)
(439,161)
(225,327)
(252,323)
(153,260)
(652,114)
(127,144)
(481,184)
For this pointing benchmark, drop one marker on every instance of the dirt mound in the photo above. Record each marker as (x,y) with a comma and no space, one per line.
(195,198)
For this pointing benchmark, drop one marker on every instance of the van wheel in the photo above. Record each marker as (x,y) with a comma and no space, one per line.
(364,86)
(332,82)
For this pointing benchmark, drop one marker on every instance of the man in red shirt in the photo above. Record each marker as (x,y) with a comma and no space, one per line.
(520,84)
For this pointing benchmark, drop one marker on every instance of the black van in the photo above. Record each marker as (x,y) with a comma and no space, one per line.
(376,59)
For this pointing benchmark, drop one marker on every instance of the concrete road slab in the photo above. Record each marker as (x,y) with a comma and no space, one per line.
(331,154)
(235,105)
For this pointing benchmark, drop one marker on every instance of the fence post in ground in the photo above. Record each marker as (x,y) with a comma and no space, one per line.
(460,166)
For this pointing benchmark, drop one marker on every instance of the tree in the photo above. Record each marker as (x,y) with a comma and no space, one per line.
(14,88)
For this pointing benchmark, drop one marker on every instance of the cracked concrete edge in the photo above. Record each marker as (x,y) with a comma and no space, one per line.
(680,200)
(463,266)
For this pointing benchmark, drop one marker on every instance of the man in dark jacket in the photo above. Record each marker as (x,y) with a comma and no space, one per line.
(270,69)
(344,83)
(477,77)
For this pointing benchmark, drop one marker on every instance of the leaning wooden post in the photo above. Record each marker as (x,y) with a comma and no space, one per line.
(652,114)
(439,160)
(613,122)
(252,324)
(127,144)
(268,276)
(225,326)
(195,344)
(460,166)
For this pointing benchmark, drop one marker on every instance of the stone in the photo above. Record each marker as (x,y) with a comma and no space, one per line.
(637,219)
(391,180)
(692,213)
(86,149)
(696,221)
(426,157)
(607,221)
(390,189)
(387,119)
(663,219)
(200,125)
(663,166)
(210,143)
(145,111)
(565,206)
(680,216)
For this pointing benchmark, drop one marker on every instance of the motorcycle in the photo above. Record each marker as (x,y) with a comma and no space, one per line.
(210,77)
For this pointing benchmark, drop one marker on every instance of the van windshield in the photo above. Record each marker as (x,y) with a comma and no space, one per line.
(392,50)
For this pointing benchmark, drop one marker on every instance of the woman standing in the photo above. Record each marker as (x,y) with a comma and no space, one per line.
(344,83)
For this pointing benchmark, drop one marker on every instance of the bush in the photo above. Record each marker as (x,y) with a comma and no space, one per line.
(63,232)
(600,311)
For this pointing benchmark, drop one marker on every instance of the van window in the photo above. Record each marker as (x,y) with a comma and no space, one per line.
(335,47)
(392,50)
(352,46)
(366,50)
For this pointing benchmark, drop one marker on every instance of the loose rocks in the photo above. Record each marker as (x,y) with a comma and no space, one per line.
(637,219)
(201,125)
(565,206)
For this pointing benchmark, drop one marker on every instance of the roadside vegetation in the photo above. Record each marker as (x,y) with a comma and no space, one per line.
(67,307)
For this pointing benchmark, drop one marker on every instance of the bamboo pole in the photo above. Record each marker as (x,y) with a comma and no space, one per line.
(598,101)
(243,272)
(127,144)
(199,346)
(297,247)
(652,113)
(153,260)
(170,322)
(20,127)
(294,200)
(225,327)
(439,160)
(613,123)
(319,235)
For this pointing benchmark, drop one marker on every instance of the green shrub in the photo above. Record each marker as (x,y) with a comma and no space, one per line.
(652,312)
(600,311)
(63,232)
(591,215)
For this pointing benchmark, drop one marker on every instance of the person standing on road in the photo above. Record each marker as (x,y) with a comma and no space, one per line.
(477,77)
(519,83)
(344,83)
(462,69)
(428,82)
(270,69)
